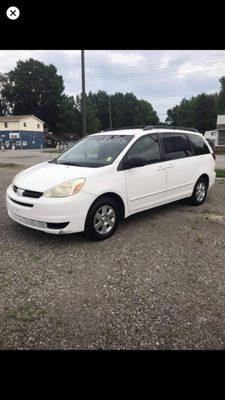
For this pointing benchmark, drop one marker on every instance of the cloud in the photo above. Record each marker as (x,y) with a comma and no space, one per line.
(162,77)
(125,59)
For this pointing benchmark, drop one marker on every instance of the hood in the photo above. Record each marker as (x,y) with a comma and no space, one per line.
(46,175)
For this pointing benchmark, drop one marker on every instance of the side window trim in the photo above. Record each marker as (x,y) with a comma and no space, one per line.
(194,148)
(191,145)
(162,147)
(164,159)
(120,166)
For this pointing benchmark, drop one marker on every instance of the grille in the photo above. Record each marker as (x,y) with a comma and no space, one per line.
(20,203)
(27,221)
(29,193)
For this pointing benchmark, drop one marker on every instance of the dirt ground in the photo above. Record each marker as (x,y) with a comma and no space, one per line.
(158,283)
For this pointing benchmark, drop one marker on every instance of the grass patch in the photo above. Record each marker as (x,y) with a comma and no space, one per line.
(51,151)
(7,165)
(35,258)
(220,151)
(194,227)
(4,284)
(220,173)
(199,240)
(25,313)
(207,211)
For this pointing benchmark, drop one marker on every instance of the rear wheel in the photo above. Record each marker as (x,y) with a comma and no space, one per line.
(102,219)
(200,192)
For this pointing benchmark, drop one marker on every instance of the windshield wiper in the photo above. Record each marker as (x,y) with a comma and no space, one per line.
(53,161)
(69,163)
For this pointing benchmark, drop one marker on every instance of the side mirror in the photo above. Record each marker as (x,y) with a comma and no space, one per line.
(133,162)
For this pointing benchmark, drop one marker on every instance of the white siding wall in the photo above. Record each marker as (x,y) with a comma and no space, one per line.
(12,125)
(32,124)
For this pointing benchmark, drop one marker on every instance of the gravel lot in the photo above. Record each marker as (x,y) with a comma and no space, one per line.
(158,283)
(27,157)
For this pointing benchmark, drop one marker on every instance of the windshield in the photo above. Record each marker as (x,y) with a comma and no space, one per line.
(94,151)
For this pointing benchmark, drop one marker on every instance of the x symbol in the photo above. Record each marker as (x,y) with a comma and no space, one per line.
(13,13)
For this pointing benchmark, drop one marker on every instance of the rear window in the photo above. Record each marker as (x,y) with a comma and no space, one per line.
(200,147)
(176,146)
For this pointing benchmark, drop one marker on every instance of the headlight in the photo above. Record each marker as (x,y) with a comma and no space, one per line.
(65,189)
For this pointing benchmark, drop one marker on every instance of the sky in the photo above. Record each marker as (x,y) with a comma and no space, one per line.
(163,77)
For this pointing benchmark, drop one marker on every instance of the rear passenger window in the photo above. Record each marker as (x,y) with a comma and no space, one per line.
(147,147)
(176,146)
(200,147)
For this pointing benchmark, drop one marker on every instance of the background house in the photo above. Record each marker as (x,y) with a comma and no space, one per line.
(69,138)
(60,141)
(50,140)
(217,135)
(21,131)
(221,130)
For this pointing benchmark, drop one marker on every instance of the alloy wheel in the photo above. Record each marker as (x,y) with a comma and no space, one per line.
(104,219)
(200,191)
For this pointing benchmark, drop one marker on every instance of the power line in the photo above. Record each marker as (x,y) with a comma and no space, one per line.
(144,68)
(170,61)
(129,75)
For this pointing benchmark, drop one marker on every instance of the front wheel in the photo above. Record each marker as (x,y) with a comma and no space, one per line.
(102,219)
(200,192)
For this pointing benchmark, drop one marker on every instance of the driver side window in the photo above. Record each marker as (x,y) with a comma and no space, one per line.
(147,147)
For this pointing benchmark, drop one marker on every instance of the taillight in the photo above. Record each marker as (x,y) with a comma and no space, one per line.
(214,155)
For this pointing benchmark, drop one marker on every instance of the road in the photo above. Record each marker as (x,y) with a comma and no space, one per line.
(26,157)
(220,161)
(157,283)
(32,157)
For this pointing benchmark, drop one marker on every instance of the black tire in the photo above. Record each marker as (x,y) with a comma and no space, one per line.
(90,229)
(196,199)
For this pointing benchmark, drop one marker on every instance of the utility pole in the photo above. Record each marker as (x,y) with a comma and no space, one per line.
(110,114)
(83,96)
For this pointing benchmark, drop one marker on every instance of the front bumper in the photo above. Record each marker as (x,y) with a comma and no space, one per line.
(44,211)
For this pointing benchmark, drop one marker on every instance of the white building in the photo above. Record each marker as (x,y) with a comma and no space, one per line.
(217,135)
(21,131)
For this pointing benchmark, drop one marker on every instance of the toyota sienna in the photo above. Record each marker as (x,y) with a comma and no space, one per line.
(111,175)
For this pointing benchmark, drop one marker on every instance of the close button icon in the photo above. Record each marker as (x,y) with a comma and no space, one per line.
(13,12)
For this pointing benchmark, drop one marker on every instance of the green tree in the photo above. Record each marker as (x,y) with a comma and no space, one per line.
(145,114)
(205,111)
(3,103)
(34,88)
(199,112)
(182,114)
(100,101)
(127,110)
(93,122)
(221,99)
(69,116)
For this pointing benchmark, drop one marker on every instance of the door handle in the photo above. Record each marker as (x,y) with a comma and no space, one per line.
(170,166)
(161,169)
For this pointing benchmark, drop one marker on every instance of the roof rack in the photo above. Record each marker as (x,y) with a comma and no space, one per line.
(126,127)
(146,128)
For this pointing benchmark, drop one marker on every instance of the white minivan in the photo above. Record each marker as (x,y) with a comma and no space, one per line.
(111,175)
